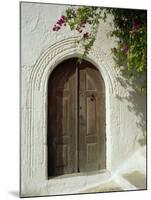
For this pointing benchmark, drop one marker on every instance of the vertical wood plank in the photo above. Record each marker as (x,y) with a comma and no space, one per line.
(61,119)
(92,147)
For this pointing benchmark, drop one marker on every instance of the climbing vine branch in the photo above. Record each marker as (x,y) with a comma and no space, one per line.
(130,27)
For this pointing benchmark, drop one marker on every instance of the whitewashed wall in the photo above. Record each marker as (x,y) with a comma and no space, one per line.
(41,51)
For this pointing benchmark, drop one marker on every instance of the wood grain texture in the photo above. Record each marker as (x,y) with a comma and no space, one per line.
(76,119)
(61,119)
(92,149)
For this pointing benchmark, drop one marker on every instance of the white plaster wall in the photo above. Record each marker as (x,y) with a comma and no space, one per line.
(41,50)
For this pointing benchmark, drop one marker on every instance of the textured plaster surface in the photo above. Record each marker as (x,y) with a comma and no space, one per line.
(41,51)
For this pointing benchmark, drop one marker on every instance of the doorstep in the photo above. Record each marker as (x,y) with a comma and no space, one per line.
(76,183)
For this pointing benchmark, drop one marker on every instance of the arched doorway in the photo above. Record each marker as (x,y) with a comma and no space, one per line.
(76,119)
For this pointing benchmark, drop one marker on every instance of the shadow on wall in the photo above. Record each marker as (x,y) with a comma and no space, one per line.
(136,101)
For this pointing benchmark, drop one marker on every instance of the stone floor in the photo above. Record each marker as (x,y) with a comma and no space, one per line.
(131,175)
(106,187)
(123,182)
(137,179)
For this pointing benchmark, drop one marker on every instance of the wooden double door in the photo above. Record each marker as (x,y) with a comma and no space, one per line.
(76,119)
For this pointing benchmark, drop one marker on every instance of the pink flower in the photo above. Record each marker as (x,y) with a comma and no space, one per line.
(125,49)
(86,35)
(56,28)
(63,17)
(61,21)
(135,26)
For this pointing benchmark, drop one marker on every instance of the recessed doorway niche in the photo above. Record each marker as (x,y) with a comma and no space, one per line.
(76,132)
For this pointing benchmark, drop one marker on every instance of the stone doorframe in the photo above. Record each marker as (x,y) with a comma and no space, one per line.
(34,136)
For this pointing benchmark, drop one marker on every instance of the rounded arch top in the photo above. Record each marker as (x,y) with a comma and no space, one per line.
(63,50)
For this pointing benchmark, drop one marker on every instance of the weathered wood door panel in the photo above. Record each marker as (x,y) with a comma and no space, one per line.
(91,119)
(76,119)
(62,119)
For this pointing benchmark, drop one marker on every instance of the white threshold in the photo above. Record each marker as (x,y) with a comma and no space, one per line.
(77,182)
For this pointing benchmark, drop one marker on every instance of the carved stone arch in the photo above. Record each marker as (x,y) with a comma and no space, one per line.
(68,48)
(37,98)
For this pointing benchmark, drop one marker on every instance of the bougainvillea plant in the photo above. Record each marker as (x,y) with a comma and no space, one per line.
(130,27)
